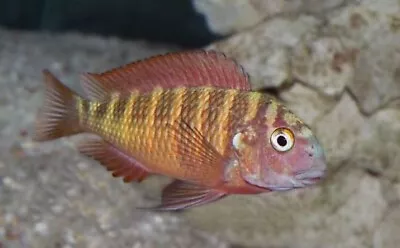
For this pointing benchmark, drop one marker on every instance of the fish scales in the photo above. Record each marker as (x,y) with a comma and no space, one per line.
(126,124)
(254,101)
(150,117)
(224,119)
(163,112)
(136,123)
(202,114)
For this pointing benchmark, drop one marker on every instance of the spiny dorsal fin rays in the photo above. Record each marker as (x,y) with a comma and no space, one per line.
(94,90)
(184,69)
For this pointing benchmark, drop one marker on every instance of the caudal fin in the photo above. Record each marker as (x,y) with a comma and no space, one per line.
(58,116)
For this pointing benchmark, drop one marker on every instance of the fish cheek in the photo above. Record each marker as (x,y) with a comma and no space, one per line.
(246,145)
(262,171)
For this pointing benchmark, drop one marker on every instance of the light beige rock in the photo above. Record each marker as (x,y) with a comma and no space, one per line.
(382,6)
(325,62)
(383,129)
(307,103)
(387,233)
(232,16)
(264,51)
(319,7)
(374,28)
(338,130)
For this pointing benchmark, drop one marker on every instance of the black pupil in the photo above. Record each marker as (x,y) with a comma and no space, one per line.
(282,141)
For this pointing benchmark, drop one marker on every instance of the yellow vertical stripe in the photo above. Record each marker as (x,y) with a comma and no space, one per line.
(223,120)
(271,113)
(81,112)
(176,107)
(253,100)
(108,121)
(91,114)
(126,124)
(204,104)
(175,114)
(151,114)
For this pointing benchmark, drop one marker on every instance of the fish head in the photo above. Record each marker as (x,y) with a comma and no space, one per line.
(279,152)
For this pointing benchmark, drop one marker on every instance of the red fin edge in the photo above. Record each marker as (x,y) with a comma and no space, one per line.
(114,160)
(180,195)
(187,68)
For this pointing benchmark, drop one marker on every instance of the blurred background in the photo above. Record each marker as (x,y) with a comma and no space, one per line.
(176,21)
(335,63)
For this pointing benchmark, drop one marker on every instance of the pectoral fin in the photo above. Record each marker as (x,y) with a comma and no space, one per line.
(180,195)
(196,153)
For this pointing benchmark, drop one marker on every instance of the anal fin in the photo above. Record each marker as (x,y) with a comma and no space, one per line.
(180,195)
(120,164)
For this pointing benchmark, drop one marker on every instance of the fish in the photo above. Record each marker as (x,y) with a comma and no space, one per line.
(188,115)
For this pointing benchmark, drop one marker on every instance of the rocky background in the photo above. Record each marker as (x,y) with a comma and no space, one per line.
(335,63)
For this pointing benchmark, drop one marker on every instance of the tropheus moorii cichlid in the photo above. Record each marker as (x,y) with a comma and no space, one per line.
(191,116)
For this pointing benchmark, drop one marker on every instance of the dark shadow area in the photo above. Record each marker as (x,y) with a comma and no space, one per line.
(172,21)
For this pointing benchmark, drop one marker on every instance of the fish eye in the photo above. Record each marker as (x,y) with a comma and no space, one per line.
(282,139)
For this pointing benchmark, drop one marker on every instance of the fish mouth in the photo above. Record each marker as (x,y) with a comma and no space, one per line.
(310,174)
(296,183)
(285,182)
(310,177)
(300,180)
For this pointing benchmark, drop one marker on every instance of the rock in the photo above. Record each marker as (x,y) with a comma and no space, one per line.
(320,7)
(387,234)
(373,27)
(233,16)
(351,224)
(227,17)
(384,129)
(339,130)
(324,62)
(267,47)
(42,228)
(306,102)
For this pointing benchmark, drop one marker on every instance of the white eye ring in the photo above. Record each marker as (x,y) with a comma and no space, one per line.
(282,139)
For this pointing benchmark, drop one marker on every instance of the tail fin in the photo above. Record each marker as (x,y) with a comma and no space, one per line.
(58,116)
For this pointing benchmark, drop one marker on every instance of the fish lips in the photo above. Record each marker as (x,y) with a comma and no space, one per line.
(301,180)
(283,182)
(311,177)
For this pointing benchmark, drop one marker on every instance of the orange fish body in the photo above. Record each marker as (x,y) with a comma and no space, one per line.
(190,116)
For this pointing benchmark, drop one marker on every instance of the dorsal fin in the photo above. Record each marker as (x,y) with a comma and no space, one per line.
(186,68)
